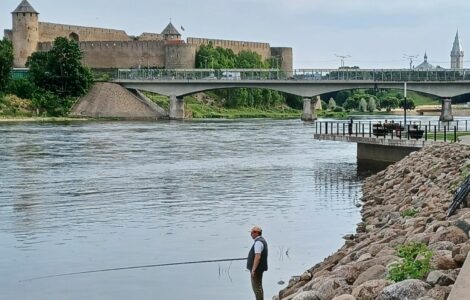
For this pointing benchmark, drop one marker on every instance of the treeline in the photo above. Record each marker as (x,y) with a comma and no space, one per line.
(55,80)
(209,57)
(366,100)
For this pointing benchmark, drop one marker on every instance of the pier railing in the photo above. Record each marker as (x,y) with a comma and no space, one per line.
(427,131)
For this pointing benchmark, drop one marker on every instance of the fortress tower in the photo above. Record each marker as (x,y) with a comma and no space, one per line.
(456,55)
(170,33)
(25,32)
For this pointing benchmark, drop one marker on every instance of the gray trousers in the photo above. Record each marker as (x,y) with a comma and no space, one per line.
(257,285)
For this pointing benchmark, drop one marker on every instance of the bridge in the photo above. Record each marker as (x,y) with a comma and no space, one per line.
(307,83)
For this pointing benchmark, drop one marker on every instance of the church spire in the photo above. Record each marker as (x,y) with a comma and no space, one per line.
(457,47)
(456,55)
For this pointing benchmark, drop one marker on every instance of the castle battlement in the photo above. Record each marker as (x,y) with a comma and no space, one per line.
(227,43)
(81,28)
(113,48)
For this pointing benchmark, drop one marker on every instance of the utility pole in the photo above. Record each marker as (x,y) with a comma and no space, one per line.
(343,57)
(411,58)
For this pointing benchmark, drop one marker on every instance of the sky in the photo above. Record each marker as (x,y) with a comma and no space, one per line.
(374,33)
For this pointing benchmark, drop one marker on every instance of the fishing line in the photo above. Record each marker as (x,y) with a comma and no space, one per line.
(137,267)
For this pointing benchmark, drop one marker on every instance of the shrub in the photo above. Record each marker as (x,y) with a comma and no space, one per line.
(410,212)
(415,264)
(338,109)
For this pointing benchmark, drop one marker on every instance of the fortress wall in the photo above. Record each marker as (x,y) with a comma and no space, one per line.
(284,56)
(180,56)
(120,54)
(48,32)
(146,36)
(7,33)
(262,49)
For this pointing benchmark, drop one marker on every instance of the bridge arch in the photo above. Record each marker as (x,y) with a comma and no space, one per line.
(306,89)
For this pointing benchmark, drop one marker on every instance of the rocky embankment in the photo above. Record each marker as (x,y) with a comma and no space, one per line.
(406,203)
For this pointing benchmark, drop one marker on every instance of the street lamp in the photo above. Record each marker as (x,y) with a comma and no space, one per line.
(404,102)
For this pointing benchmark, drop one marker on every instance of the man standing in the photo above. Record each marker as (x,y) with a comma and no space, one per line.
(257,261)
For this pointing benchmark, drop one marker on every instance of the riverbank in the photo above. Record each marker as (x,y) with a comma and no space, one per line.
(404,234)
(5,119)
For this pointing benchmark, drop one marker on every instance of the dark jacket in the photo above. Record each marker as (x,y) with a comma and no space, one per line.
(263,264)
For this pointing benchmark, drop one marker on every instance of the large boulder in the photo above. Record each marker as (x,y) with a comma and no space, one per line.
(369,289)
(374,272)
(452,234)
(307,295)
(442,260)
(410,289)
(437,277)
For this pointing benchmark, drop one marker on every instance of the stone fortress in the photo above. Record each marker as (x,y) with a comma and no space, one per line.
(110,48)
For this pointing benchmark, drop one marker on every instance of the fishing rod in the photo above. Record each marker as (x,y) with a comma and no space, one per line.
(137,267)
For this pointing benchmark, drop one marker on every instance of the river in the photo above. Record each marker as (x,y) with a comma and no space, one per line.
(94,195)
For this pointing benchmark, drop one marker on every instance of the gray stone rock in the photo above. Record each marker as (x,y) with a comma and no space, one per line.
(452,234)
(443,245)
(405,290)
(373,273)
(439,278)
(344,297)
(462,224)
(307,295)
(439,292)
(369,289)
(443,260)
(327,290)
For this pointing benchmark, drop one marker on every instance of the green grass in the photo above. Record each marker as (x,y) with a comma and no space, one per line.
(199,110)
(160,100)
(203,111)
(423,99)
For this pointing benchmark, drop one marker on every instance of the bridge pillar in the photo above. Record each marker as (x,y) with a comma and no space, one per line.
(176,108)
(446,112)
(308,114)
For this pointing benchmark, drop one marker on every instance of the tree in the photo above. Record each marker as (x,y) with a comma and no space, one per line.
(331,104)
(363,105)
(220,58)
(350,104)
(389,102)
(60,70)
(6,63)
(342,96)
(410,104)
(371,106)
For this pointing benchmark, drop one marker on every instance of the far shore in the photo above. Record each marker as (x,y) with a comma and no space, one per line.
(40,119)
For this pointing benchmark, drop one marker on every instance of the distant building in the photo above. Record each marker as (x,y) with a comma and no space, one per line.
(425,65)
(456,55)
(109,48)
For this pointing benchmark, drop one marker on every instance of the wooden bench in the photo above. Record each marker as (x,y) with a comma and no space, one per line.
(379,130)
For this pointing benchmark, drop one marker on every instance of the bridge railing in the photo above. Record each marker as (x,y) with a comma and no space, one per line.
(427,131)
(368,75)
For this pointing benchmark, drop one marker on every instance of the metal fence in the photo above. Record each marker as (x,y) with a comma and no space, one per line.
(427,131)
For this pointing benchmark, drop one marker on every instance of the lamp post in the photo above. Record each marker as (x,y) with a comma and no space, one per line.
(404,103)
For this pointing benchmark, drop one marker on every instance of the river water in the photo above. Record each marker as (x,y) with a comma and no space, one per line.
(95,195)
